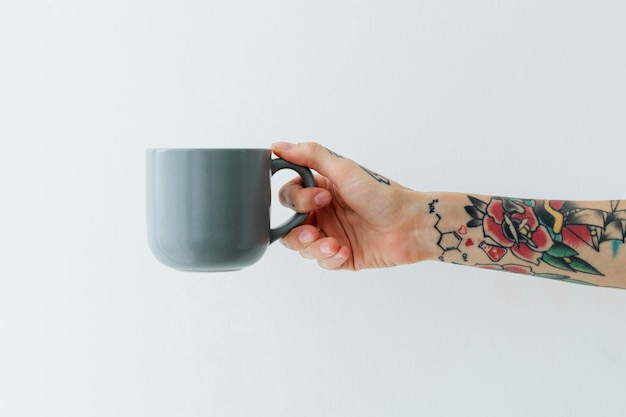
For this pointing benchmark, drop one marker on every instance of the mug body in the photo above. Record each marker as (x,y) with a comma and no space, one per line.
(208,209)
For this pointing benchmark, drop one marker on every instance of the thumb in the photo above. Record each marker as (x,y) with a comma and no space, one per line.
(315,156)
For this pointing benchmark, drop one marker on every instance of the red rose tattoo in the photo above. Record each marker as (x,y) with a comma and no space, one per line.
(545,231)
(513,224)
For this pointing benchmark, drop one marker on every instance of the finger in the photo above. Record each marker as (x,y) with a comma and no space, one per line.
(337,260)
(315,156)
(313,244)
(321,249)
(303,200)
(300,237)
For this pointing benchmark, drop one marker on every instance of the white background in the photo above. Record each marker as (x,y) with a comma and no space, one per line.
(525,99)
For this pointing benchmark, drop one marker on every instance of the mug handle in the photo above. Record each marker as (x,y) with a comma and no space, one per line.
(307,181)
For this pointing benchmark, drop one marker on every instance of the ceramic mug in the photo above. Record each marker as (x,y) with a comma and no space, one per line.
(209,209)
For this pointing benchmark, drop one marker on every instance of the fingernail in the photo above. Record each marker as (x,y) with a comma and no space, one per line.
(283,146)
(339,255)
(325,249)
(322,199)
(306,236)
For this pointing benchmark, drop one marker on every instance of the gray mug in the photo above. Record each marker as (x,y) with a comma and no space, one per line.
(209,209)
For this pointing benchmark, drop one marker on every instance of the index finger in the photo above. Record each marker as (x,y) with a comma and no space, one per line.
(315,156)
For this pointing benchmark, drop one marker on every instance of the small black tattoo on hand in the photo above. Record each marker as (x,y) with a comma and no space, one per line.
(335,154)
(431,206)
(376,176)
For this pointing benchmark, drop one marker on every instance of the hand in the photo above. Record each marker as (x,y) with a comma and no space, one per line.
(358,219)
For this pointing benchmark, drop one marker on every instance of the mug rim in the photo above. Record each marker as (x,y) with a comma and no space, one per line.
(206,149)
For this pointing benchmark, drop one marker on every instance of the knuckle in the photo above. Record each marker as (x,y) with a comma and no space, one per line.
(311,144)
(313,147)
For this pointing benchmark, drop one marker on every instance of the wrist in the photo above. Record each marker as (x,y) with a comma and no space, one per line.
(420,225)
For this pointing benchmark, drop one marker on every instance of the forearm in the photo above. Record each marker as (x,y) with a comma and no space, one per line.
(575,241)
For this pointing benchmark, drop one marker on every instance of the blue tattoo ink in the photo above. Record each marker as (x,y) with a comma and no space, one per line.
(616,246)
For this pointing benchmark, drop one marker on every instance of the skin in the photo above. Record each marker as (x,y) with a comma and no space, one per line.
(360,219)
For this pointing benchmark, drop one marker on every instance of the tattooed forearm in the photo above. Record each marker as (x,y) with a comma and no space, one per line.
(547,231)
(573,241)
